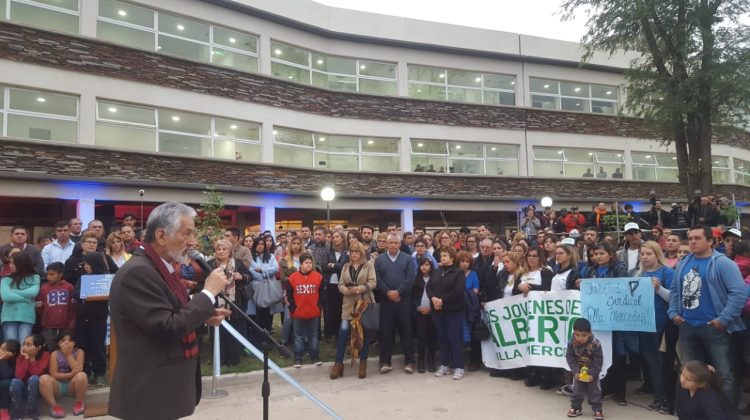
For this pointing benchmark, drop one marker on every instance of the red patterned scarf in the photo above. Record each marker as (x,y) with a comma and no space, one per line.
(189,341)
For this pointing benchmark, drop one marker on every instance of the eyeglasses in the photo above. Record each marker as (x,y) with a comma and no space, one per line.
(91,242)
(532,256)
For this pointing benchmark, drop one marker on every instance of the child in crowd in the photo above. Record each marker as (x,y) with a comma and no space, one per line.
(700,397)
(66,375)
(31,364)
(303,292)
(8,354)
(54,307)
(585,358)
(6,261)
(684,250)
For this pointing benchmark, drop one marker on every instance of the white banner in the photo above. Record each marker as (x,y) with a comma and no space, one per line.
(534,331)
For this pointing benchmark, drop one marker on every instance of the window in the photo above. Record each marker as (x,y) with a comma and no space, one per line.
(573,96)
(720,170)
(147,29)
(649,166)
(332,72)
(461,85)
(55,15)
(134,127)
(40,115)
(335,152)
(460,157)
(555,162)
(741,171)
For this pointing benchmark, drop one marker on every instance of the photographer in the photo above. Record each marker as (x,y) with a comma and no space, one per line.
(679,217)
(530,224)
(658,216)
(574,220)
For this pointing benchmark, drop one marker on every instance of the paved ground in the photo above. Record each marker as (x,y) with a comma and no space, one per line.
(398,396)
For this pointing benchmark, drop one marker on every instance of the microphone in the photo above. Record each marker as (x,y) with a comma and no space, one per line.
(196,256)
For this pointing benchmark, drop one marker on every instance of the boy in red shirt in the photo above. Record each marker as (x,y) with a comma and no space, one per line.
(303,292)
(54,307)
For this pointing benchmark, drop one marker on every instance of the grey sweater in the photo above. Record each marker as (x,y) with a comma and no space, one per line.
(398,275)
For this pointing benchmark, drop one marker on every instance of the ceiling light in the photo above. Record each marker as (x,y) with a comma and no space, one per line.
(648,156)
(175,118)
(619,155)
(661,98)
(478,79)
(609,92)
(370,141)
(233,126)
(277,51)
(716,162)
(546,86)
(232,40)
(320,61)
(458,146)
(112,109)
(158,47)
(420,144)
(674,157)
(290,77)
(591,153)
(493,149)
(577,89)
(578,104)
(275,132)
(441,75)
(419,90)
(122,13)
(362,66)
(513,83)
(559,152)
(321,139)
(180,27)
(40,99)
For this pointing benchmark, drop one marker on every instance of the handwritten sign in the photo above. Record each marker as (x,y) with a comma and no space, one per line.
(619,304)
(96,286)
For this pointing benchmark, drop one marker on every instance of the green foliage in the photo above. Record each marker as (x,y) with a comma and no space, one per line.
(208,222)
(615,222)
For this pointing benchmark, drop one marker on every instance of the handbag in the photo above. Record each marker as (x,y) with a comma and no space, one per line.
(370,318)
(267,292)
(481,331)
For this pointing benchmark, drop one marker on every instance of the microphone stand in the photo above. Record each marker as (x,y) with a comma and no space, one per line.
(267,342)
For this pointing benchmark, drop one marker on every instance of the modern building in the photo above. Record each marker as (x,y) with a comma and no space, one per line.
(409,121)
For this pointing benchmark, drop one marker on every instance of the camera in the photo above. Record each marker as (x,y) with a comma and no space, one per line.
(141,192)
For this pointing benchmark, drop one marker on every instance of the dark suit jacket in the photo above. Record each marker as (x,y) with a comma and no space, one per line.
(153,380)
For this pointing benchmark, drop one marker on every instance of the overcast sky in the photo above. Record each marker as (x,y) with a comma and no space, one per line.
(530,17)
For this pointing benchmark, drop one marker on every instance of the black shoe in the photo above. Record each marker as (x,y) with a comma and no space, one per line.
(620,400)
(654,406)
(517,376)
(431,363)
(644,389)
(473,367)
(497,373)
(547,383)
(532,381)
(420,365)
(667,408)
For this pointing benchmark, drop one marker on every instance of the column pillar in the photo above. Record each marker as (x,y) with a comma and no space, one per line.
(85,210)
(268,219)
(407,220)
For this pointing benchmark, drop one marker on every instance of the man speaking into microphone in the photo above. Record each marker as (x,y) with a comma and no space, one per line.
(157,374)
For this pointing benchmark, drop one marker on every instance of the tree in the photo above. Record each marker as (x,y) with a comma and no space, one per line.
(693,74)
(209,222)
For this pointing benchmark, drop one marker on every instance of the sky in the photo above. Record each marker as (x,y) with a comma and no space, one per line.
(529,17)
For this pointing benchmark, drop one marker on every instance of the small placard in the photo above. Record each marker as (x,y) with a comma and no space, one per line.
(96,286)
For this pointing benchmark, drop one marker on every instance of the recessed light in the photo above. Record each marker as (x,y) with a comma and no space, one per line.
(233,126)
(275,132)
(420,144)
(122,13)
(674,157)
(609,92)
(493,149)
(362,66)
(277,51)
(40,99)
(232,40)
(661,98)
(158,47)
(290,77)
(577,89)
(175,118)
(546,86)
(458,146)
(478,79)
(648,156)
(559,152)
(441,75)
(320,61)
(112,109)
(419,90)
(321,139)
(370,141)
(591,153)
(716,162)
(513,83)
(619,155)
(180,27)
(578,104)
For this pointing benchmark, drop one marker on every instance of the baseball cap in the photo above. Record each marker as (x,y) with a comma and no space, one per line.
(574,233)
(631,226)
(568,241)
(733,231)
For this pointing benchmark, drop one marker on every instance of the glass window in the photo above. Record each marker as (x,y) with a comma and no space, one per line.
(741,171)
(573,96)
(548,153)
(334,64)
(127,138)
(666,159)
(375,69)
(126,13)
(42,128)
(644,173)
(184,27)
(501,167)
(499,81)
(341,144)
(289,53)
(579,155)
(183,48)
(378,87)
(232,150)
(460,85)
(603,156)
(548,169)
(334,82)
(464,78)
(426,91)
(464,95)
(228,58)
(429,146)
(3,8)
(293,137)
(292,156)
(604,92)
(236,40)
(336,162)
(544,86)
(43,102)
(379,163)
(43,17)
(499,98)
(295,74)
(502,151)
(579,90)
(545,102)
(236,129)
(124,35)
(181,144)
(465,166)
(464,149)
(574,104)
(429,164)
(601,107)
(185,122)
(643,158)
(125,113)
(426,74)
(379,145)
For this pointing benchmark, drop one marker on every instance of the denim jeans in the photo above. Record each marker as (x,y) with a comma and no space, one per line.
(710,345)
(306,330)
(13,330)
(648,343)
(24,398)
(449,329)
(343,339)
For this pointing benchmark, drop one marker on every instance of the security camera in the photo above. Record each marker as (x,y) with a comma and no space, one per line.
(140,192)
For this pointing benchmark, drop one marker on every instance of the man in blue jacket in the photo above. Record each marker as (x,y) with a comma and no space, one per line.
(706,300)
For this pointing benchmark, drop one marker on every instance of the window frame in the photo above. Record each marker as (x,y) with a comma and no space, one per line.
(446,86)
(57,9)
(448,157)
(558,96)
(7,111)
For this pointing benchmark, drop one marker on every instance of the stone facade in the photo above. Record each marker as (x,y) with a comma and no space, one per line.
(34,46)
(26,159)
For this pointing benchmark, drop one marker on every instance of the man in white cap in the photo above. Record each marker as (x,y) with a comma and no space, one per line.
(630,254)
(731,236)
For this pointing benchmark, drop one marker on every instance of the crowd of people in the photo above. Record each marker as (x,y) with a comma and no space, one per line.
(355,287)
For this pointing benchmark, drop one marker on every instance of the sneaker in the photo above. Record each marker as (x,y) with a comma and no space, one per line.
(385,368)
(442,371)
(458,374)
(100,380)
(598,415)
(666,408)
(298,364)
(574,412)
(409,368)
(317,362)
(566,390)
(79,408)
(654,406)
(56,412)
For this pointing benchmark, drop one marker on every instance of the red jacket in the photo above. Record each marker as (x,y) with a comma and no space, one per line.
(574,221)
(743,263)
(303,293)
(26,368)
